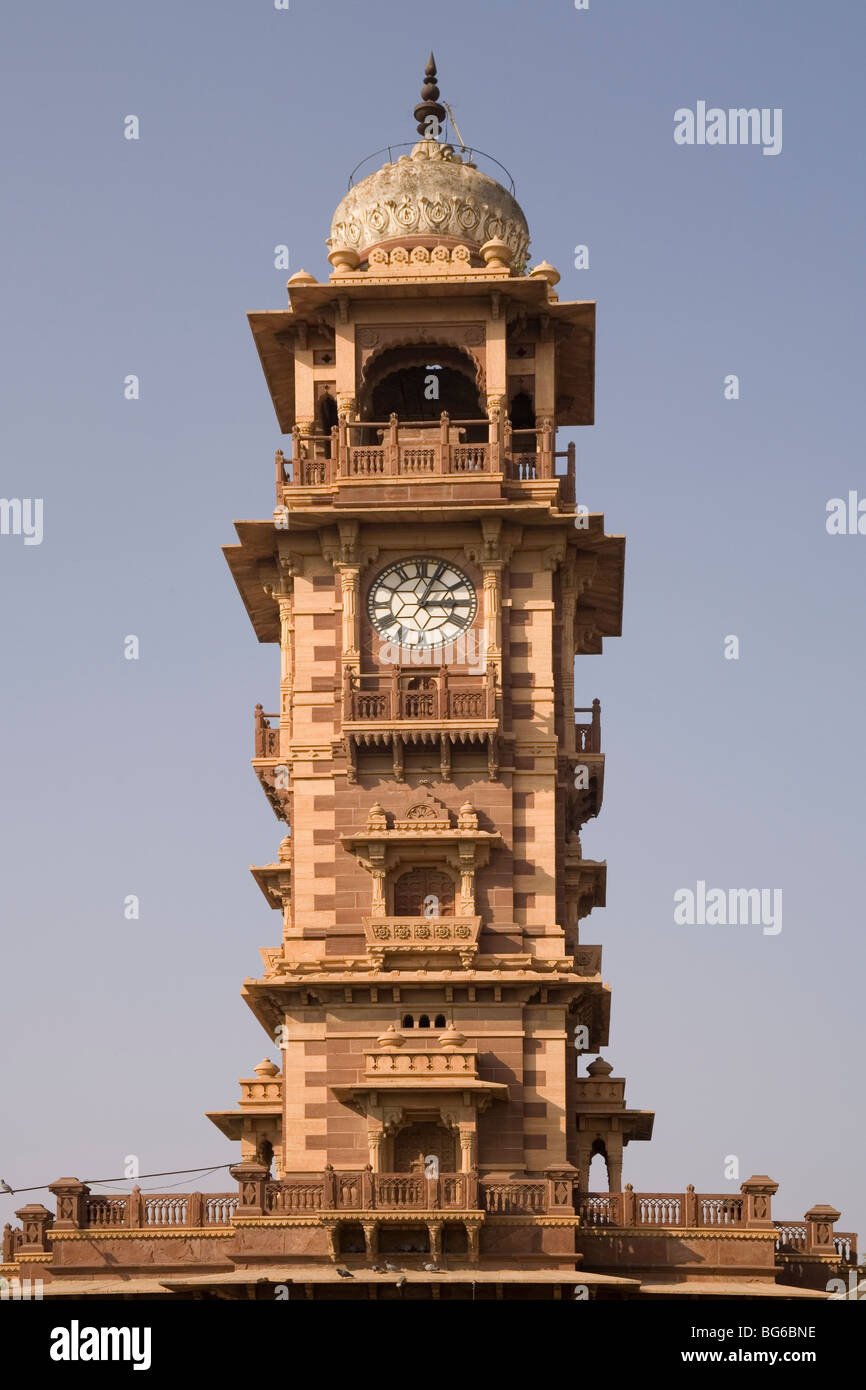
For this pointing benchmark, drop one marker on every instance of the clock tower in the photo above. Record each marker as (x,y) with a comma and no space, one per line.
(435,751)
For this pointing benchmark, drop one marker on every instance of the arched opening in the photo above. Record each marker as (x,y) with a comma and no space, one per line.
(408,1021)
(440,1021)
(424,1021)
(522,411)
(327,416)
(265,1153)
(424,892)
(596,1178)
(418,381)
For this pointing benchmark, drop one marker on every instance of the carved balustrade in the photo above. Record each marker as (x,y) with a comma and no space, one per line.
(394,448)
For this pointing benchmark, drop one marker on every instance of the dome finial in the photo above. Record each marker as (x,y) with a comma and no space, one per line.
(430,113)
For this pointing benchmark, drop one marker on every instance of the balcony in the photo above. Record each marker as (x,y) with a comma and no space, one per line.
(401,709)
(425,939)
(587,732)
(436,696)
(382,451)
(368,1191)
(267,763)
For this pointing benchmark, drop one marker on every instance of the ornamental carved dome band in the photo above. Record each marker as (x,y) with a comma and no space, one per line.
(431,193)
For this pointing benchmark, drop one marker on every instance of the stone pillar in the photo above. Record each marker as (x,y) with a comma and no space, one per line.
(560,1188)
(466,1132)
(627,1214)
(473,1234)
(495,416)
(367,1188)
(758,1193)
(71,1203)
(349,583)
(466,905)
(378,905)
(375,1141)
(568,606)
(36,1220)
(690,1206)
(251,1178)
(819,1230)
(613,1161)
(492,575)
(135,1210)
(584,1159)
(371,1237)
(285,603)
(434,1229)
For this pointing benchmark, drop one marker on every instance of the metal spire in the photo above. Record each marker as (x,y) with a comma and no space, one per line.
(429,106)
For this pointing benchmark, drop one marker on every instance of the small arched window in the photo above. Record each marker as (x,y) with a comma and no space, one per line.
(440,1021)
(408,1021)
(424,1021)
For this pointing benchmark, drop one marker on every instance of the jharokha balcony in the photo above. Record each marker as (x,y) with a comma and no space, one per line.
(398,710)
(435,697)
(379,451)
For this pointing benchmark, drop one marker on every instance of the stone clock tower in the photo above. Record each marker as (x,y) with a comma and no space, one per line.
(429,580)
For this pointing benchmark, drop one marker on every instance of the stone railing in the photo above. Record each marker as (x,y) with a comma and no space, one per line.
(588,733)
(377,450)
(149,1210)
(419,695)
(256,1090)
(790,1235)
(267,739)
(369,1191)
(363,1190)
(13,1238)
(390,1062)
(689,1208)
(793,1238)
(518,1197)
(845,1244)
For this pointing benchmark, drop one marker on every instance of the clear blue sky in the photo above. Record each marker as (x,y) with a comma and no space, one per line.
(132,777)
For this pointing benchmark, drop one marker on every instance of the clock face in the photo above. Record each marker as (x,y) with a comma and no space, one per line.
(421,603)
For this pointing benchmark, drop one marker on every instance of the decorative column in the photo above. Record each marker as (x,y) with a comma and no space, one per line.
(376,1143)
(434,1229)
(251,1178)
(371,1237)
(568,604)
(35,1220)
(758,1192)
(819,1230)
(284,595)
(349,583)
(467,880)
(72,1198)
(466,1133)
(495,417)
(613,1161)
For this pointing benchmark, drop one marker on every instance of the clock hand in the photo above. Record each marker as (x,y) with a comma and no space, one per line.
(436,574)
